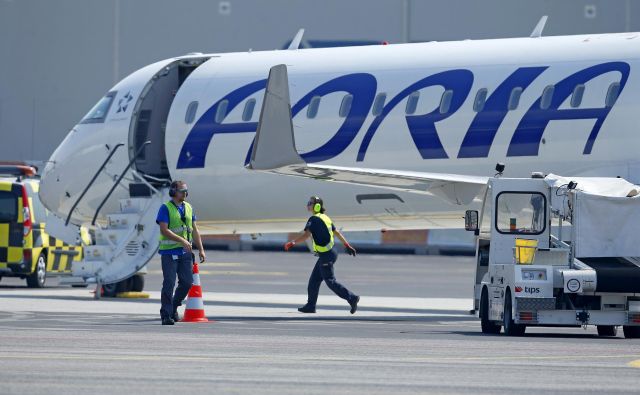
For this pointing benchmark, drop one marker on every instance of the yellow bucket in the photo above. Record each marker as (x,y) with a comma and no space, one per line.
(525,251)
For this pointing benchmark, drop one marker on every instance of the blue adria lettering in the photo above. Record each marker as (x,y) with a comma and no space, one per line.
(477,140)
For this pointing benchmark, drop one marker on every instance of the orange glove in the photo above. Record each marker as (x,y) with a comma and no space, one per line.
(288,246)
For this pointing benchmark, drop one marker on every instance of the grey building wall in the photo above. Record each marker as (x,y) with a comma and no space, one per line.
(58,57)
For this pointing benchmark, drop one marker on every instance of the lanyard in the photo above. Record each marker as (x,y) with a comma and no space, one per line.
(183,215)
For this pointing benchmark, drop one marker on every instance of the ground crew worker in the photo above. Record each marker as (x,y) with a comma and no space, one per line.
(177,232)
(321,229)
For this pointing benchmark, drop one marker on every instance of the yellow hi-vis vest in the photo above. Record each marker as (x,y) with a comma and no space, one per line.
(328,223)
(177,226)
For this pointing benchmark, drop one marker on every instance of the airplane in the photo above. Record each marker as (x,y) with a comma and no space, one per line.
(563,104)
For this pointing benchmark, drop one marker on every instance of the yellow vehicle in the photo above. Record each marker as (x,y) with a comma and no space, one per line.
(26,250)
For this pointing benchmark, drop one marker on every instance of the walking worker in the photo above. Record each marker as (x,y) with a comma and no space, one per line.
(178,230)
(321,229)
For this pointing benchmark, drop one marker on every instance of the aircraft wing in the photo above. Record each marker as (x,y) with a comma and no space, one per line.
(274,151)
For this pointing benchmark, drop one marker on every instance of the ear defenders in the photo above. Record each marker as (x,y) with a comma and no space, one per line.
(174,189)
(317,204)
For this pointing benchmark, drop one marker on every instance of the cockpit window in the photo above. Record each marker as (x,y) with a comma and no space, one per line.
(99,112)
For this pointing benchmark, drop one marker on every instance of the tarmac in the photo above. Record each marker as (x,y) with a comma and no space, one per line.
(412,334)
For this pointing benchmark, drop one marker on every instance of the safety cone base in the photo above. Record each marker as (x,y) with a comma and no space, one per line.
(194,311)
(194,319)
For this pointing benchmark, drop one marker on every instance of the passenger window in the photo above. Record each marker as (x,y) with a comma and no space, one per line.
(445,101)
(612,94)
(191,112)
(521,213)
(481,98)
(247,114)
(314,105)
(412,103)
(514,98)
(547,97)
(221,112)
(345,106)
(378,104)
(576,96)
(99,112)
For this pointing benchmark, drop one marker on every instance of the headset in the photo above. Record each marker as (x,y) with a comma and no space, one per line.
(173,189)
(317,204)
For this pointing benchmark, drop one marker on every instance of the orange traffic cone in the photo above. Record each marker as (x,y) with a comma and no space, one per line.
(194,312)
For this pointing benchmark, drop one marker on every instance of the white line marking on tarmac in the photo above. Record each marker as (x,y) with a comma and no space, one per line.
(315,358)
(224,264)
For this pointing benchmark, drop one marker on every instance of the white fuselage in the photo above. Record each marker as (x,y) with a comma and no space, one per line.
(576,115)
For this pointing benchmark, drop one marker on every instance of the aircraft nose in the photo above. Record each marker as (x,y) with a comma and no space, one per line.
(50,188)
(86,159)
(57,175)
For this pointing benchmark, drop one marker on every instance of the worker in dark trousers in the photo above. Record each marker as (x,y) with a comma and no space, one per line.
(321,229)
(177,232)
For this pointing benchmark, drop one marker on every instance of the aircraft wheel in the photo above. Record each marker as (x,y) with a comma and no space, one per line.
(137,283)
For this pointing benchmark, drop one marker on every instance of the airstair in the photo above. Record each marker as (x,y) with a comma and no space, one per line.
(124,240)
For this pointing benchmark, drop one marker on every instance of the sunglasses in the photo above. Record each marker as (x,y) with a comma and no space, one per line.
(183,190)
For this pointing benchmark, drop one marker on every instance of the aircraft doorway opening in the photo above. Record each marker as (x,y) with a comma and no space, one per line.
(149,121)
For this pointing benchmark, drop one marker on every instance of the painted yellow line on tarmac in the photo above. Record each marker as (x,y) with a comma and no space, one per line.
(132,295)
(635,364)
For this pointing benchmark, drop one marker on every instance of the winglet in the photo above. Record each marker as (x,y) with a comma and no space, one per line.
(297,39)
(537,31)
(274,145)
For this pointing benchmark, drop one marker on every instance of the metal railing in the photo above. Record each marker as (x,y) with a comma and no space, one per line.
(131,162)
(143,179)
(113,151)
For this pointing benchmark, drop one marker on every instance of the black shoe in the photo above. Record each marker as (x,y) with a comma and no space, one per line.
(354,304)
(307,309)
(167,321)
(175,316)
